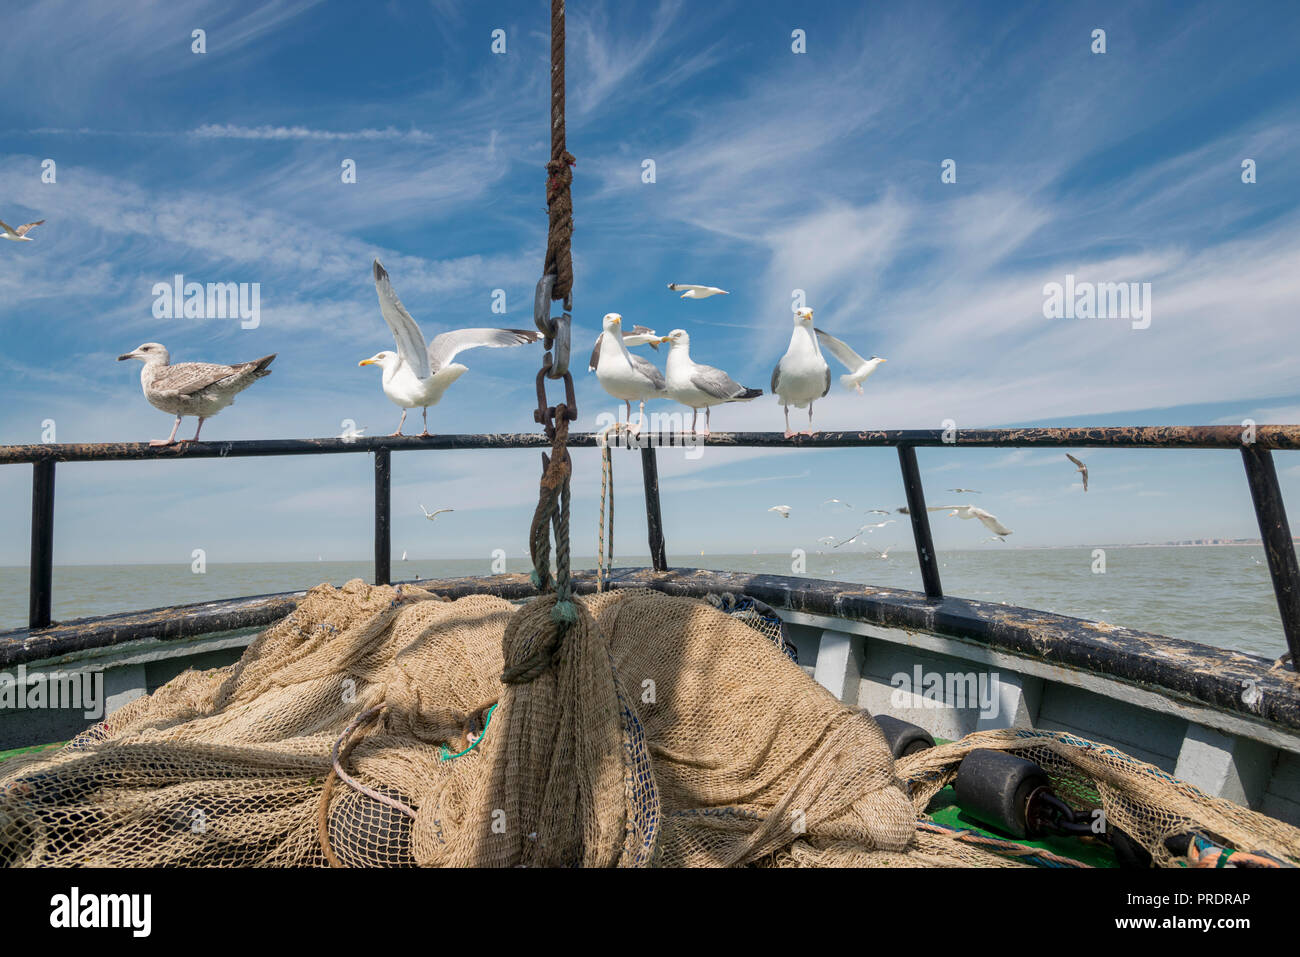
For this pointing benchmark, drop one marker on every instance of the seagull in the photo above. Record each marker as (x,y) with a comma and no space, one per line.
(872,526)
(879,511)
(349,435)
(416,376)
(992,538)
(885,553)
(960,490)
(621,374)
(1082,469)
(783,510)
(836,501)
(18,235)
(432,515)
(970,511)
(699,386)
(200,389)
(859,368)
(802,376)
(697,292)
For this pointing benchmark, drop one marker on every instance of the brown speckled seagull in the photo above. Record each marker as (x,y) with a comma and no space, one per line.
(200,389)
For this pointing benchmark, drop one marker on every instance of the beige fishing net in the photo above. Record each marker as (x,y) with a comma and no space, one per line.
(656,731)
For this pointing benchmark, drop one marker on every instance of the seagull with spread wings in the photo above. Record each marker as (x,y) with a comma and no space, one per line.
(689,291)
(416,375)
(200,389)
(18,235)
(434,514)
(1080,468)
(859,368)
(696,385)
(969,511)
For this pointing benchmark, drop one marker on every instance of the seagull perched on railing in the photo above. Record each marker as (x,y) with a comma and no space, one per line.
(200,389)
(697,292)
(620,373)
(699,386)
(802,376)
(18,235)
(416,376)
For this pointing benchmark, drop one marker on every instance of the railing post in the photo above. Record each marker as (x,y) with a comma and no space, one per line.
(1275,533)
(920,521)
(383,516)
(653,518)
(42,562)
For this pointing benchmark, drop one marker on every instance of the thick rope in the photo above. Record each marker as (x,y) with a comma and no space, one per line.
(559,174)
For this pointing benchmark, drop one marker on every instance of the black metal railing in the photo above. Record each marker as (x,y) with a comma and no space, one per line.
(1256,446)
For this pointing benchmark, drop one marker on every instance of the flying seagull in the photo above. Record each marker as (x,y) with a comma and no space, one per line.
(699,386)
(836,501)
(969,511)
(871,527)
(973,490)
(432,515)
(697,292)
(620,373)
(200,389)
(18,235)
(885,553)
(859,368)
(416,375)
(1081,469)
(802,376)
(879,511)
(782,510)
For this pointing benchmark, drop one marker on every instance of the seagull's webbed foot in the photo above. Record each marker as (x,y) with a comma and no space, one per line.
(789,434)
(394,434)
(158,443)
(811,432)
(426,434)
(858,387)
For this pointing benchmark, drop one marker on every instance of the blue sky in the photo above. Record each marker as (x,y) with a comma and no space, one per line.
(775,171)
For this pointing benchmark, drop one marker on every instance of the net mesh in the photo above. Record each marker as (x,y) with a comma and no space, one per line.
(660,731)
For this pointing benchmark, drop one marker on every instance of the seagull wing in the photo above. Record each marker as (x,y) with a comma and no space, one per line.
(1073,459)
(444,347)
(990,522)
(410,341)
(776,378)
(5,226)
(847,357)
(23,229)
(595,354)
(715,382)
(642,335)
(187,378)
(648,369)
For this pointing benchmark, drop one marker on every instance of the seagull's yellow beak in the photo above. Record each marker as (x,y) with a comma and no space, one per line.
(660,342)
(367,362)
